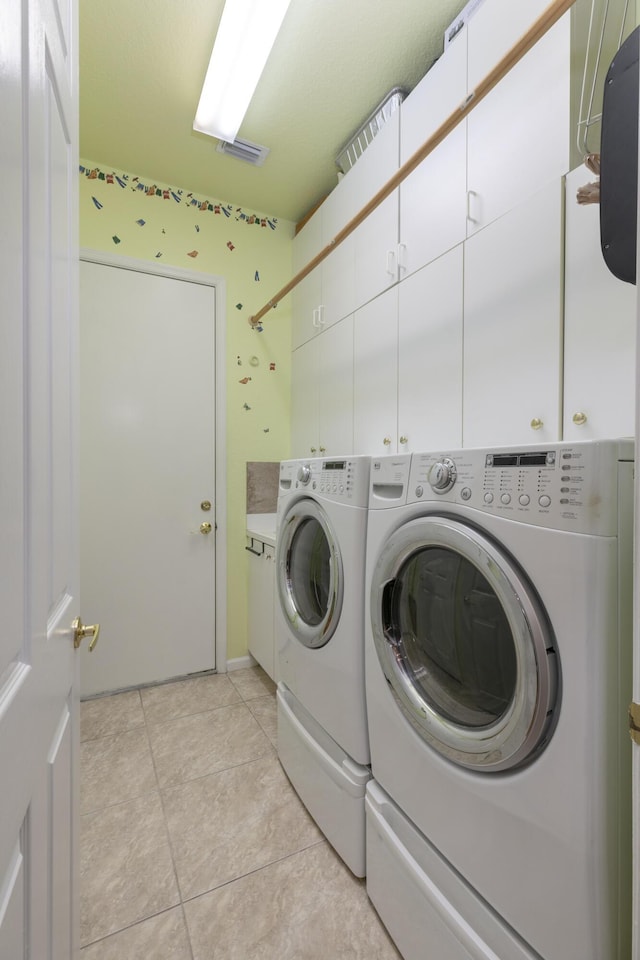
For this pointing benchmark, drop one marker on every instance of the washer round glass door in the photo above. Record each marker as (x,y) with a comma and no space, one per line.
(464,644)
(309,573)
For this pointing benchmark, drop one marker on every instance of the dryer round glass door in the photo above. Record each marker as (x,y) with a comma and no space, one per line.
(465,644)
(309,573)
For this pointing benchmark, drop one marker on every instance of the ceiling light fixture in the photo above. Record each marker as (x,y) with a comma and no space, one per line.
(247,31)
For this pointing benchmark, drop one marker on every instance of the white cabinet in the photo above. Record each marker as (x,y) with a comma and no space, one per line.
(322,393)
(408,363)
(304,400)
(375,376)
(307,295)
(518,136)
(376,239)
(430,355)
(433,197)
(599,330)
(327,294)
(513,325)
(261,603)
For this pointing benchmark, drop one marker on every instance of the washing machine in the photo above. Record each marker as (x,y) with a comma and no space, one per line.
(498,665)
(323,741)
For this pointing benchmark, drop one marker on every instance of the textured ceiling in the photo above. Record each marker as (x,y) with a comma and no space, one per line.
(142,64)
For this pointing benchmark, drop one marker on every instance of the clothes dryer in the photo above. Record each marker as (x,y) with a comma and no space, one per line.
(323,741)
(498,658)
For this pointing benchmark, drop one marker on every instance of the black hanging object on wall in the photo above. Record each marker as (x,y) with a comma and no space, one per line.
(619,161)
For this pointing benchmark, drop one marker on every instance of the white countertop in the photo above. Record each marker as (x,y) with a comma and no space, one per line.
(262,526)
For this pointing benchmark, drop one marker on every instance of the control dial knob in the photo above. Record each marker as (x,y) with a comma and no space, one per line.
(442,475)
(304,473)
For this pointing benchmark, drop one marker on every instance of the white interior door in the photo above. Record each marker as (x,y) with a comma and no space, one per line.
(38,579)
(147,442)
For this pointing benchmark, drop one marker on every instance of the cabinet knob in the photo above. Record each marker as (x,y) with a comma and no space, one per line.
(579,418)
(312,449)
(323,449)
(387,441)
(404,439)
(536,423)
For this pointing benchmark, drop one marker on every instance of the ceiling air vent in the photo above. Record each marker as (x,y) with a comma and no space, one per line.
(244,150)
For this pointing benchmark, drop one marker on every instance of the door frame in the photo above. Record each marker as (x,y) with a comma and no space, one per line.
(220,421)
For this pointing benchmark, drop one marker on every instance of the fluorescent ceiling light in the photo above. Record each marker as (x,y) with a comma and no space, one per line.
(248,29)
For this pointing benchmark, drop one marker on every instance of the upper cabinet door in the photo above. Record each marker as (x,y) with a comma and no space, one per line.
(307,295)
(376,239)
(513,325)
(518,136)
(432,198)
(600,330)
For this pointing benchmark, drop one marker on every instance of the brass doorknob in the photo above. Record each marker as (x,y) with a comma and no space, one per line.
(205,528)
(80,632)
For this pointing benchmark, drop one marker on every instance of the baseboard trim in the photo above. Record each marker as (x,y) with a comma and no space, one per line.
(241,663)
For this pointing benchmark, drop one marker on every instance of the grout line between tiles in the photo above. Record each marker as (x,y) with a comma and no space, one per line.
(130,926)
(264,866)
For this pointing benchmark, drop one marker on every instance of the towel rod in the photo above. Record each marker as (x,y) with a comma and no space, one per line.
(545,21)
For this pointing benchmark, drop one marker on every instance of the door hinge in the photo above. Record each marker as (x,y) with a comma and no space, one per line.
(634,722)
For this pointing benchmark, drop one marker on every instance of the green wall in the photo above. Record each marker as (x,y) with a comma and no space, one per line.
(135,217)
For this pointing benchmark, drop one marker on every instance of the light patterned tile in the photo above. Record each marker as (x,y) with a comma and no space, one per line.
(126,871)
(265,710)
(252,682)
(234,822)
(205,743)
(114,769)
(163,937)
(105,716)
(307,906)
(168,701)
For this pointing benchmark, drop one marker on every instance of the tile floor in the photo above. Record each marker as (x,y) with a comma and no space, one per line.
(194,846)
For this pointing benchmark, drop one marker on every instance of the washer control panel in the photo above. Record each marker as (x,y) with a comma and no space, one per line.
(341,479)
(565,486)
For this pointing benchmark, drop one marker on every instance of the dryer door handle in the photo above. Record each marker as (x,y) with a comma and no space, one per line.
(387,596)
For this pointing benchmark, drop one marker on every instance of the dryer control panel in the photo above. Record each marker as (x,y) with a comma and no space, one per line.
(340,479)
(565,486)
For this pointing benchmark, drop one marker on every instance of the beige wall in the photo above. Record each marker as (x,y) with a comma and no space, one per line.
(136,217)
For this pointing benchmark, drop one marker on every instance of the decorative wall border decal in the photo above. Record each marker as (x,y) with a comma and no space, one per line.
(123,180)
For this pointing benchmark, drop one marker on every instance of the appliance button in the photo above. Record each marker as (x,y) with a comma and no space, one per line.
(524,499)
(488,497)
(564,501)
(505,498)
(419,491)
(335,488)
(465,493)
(544,500)
(341,488)
(304,473)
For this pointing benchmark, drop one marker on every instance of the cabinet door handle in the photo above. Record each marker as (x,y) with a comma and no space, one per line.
(470,207)
(402,256)
(391,263)
(321,317)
